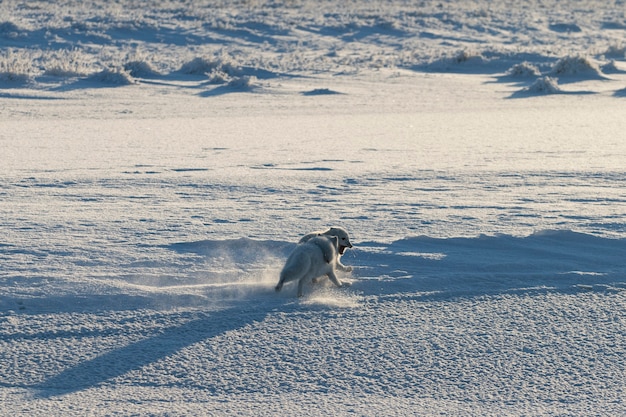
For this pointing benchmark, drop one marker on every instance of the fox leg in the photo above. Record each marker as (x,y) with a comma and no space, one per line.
(281,281)
(300,284)
(293,270)
(344,268)
(334,279)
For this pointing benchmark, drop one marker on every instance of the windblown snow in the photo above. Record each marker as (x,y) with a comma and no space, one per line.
(159,161)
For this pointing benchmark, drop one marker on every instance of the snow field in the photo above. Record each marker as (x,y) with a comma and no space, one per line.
(158,162)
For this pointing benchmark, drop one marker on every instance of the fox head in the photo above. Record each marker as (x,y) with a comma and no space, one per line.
(342,235)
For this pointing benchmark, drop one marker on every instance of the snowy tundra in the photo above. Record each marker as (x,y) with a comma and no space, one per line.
(160,160)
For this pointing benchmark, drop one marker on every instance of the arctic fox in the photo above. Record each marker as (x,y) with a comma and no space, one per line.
(317,256)
(343,242)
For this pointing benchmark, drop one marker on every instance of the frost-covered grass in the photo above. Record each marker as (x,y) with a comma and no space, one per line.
(66,64)
(304,36)
(14,68)
(576,66)
(523,70)
(112,77)
(544,85)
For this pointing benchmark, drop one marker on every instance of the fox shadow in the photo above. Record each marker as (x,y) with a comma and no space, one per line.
(105,367)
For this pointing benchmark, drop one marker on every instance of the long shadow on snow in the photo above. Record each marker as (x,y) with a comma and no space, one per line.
(117,362)
(555,261)
(529,94)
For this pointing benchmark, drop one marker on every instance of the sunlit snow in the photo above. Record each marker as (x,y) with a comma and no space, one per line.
(159,161)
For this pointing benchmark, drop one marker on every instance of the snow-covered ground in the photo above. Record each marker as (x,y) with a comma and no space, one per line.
(159,160)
